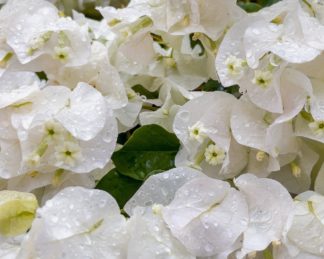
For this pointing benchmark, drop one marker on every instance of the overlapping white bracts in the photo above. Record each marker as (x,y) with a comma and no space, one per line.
(240,156)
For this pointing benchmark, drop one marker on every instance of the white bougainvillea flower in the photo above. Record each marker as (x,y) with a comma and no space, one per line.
(215,161)
(203,127)
(263,87)
(97,72)
(211,17)
(196,209)
(85,113)
(150,237)
(295,91)
(35,29)
(307,127)
(250,57)
(169,182)
(203,210)
(127,116)
(311,22)
(77,222)
(58,128)
(17,212)
(261,83)
(257,129)
(121,16)
(296,175)
(230,63)
(272,133)
(279,29)
(169,58)
(172,99)
(270,212)
(306,232)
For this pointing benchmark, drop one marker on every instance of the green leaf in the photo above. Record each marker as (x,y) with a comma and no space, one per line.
(307,116)
(195,42)
(268,2)
(143,91)
(121,187)
(212,85)
(41,75)
(267,253)
(150,148)
(250,7)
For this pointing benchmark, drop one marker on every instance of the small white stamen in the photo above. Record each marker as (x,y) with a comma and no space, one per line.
(235,66)
(214,155)
(62,53)
(262,78)
(197,132)
(68,154)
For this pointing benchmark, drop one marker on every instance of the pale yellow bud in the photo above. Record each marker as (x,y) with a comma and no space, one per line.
(17,212)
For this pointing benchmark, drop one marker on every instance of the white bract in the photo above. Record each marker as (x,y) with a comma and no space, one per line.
(184,17)
(150,237)
(242,92)
(203,127)
(201,209)
(35,29)
(305,235)
(59,129)
(270,212)
(77,222)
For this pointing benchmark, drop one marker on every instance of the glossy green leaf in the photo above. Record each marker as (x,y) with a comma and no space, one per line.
(250,7)
(121,187)
(150,148)
(143,91)
(41,75)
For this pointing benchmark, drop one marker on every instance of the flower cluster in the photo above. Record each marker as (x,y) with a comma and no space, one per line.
(181,213)
(72,87)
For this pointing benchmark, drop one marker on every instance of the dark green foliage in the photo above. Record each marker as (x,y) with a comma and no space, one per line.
(150,148)
(143,91)
(121,187)
(252,6)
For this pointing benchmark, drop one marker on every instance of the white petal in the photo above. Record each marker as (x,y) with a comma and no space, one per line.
(231,46)
(248,125)
(161,188)
(270,210)
(307,231)
(295,87)
(213,111)
(305,160)
(150,238)
(203,210)
(16,86)
(85,116)
(75,210)
(77,222)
